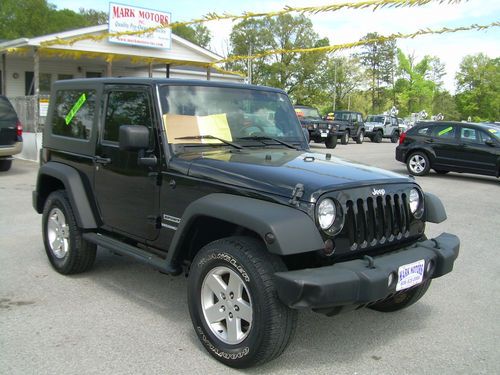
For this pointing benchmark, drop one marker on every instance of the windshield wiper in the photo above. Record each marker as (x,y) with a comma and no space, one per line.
(263,138)
(208,136)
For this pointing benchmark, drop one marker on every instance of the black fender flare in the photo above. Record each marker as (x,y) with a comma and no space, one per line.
(434,209)
(75,189)
(293,230)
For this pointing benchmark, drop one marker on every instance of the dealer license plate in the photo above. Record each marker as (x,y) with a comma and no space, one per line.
(324,134)
(410,275)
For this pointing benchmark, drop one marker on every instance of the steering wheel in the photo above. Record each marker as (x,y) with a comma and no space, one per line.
(253,130)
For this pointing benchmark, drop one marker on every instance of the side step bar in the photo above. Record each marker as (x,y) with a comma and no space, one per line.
(132,251)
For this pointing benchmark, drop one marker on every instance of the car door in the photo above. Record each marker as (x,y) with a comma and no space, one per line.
(474,155)
(127,193)
(443,141)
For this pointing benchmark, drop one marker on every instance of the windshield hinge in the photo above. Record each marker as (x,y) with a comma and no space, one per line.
(297,193)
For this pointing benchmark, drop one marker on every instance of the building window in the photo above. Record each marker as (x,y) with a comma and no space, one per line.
(61,77)
(45,81)
(74,113)
(93,75)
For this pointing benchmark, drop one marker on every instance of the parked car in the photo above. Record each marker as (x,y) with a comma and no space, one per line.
(450,147)
(382,126)
(173,174)
(11,134)
(353,124)
(320,130)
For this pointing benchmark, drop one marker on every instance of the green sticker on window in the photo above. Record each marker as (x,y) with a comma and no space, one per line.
(75,109)
(493,131)
(444,131)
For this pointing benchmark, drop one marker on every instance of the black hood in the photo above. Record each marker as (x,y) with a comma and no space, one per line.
(278,171)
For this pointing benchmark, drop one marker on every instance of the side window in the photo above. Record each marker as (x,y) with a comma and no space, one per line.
(126,108)
(469,135)
(483,137)
(360,119)
(423,131)
(74,113)
(444,131)
(394,121)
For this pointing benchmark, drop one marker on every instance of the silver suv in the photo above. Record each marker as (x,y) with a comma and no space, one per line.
(378,127)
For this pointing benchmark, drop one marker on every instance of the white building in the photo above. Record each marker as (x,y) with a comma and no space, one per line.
(28,67)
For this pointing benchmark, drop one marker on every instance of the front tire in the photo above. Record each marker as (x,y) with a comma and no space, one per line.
(418,164)
(377,138)
(402,300)
(67,251)
(331,142)
(234,305)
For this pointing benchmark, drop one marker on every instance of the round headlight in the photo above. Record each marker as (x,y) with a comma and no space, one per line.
(326,213)
(415,203)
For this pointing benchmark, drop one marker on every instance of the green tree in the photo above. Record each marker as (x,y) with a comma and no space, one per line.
(341,78)
(478,83)
(197,34)
(378,59)
(294,72)
(28,18)
(414,89)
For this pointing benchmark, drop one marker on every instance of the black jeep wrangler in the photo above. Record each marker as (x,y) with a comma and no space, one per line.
(353,124)
(217,180)
(319,130)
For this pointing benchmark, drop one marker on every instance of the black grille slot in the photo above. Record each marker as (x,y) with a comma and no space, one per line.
(377,220)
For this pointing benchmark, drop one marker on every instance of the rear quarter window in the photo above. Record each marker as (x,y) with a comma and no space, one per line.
(7,112)
(74,113)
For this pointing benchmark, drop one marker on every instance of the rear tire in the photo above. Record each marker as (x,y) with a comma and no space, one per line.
(331,141)
(5,165)
(361,137)
(67,251)
(403,300)
(395,137)
(234,304)
(345,138)
(418,164)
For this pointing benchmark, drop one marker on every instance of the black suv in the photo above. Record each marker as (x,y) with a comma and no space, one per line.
(353,124)
(450,147)
(11,134)
(217,180)
(319,130)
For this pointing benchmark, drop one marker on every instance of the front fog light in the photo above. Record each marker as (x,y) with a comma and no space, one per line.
(415,203)
(326,213)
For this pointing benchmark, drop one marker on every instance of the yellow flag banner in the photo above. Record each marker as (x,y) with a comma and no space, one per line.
(362,42)
(366,4)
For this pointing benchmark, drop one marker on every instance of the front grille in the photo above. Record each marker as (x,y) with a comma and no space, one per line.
(377,221)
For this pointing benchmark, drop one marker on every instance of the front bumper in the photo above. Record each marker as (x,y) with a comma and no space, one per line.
(319,133)
(356,282)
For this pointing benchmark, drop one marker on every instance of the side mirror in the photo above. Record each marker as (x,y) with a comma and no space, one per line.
(490,142)
(133,137)
(136,138)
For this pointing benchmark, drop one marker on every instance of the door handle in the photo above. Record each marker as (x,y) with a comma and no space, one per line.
(429,141)
(101,160)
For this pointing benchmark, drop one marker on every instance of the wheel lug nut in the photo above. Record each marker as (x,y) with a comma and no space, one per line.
(236,308)
(223,308)
(231,315)
(223,296)
(231,295)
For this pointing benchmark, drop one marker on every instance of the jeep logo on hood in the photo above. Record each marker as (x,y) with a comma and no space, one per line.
(378,192)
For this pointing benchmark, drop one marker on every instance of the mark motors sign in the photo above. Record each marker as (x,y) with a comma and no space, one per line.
(123,18)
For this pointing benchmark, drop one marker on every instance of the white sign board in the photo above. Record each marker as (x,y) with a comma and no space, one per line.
(123,18)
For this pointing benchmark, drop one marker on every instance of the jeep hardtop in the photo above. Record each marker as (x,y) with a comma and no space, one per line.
(216,181)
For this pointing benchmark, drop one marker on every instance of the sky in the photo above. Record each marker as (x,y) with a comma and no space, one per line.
(350,25)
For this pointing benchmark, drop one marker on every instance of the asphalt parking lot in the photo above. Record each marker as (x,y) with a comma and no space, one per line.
(125,318)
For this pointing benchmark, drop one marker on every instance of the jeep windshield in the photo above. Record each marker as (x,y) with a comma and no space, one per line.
(307,112)
(342,116)
(379,119)
(203,116)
